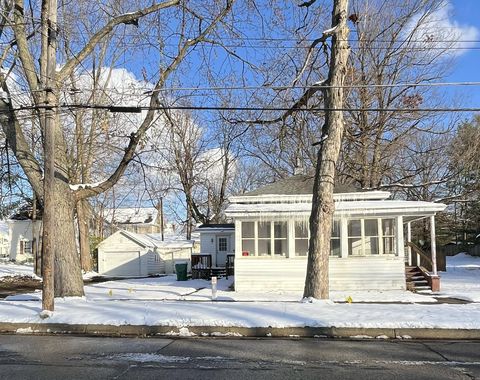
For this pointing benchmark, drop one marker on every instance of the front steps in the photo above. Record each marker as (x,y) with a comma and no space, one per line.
(416,281)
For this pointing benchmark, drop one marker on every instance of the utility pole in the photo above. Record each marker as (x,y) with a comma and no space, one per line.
(162,227)
(50,6)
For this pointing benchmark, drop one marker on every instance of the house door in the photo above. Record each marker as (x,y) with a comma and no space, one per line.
(222,250)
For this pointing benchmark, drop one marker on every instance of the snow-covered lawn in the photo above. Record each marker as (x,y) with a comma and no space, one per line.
(9,269)
(167,302)
(462,278)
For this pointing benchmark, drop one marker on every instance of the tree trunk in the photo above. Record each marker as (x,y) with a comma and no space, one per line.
(68,274)
(317,279)
(83,218)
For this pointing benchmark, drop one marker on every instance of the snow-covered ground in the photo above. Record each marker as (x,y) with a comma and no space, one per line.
(165,301)
(462,278)
(9,269)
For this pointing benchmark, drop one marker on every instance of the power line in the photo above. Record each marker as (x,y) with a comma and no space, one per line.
(139,109)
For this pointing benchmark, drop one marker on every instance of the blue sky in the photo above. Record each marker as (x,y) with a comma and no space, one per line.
(467,68)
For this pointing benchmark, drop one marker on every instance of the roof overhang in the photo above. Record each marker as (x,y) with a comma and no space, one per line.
(412,209)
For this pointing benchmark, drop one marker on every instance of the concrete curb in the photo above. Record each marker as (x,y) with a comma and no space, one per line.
(247,332)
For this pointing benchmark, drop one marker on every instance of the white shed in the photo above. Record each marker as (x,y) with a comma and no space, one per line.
(127,254)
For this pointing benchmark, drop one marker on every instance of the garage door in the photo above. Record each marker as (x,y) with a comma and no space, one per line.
(125,263)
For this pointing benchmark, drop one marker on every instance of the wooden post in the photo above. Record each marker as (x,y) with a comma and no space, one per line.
(409,239)
(399,237)
(433,245)
(49,149)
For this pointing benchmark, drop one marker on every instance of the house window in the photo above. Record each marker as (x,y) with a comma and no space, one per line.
(370,237)
(302,234)
(28,247)
(248,238)
(222,244)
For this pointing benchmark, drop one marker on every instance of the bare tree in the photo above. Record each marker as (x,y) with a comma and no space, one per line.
(68,280)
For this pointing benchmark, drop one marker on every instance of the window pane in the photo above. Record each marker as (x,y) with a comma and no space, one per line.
(371,227)
(336,228)
(301,230)
(387,225)
(281,247)
(355,246)
(264,247)
(264,229)
(248,247)
(248,230)
(354,228)
(280,230)
(222,244)
(301,247)
(335,247)
(371,245)
(388,245)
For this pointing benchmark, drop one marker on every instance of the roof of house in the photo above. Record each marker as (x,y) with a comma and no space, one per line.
(217,225)
(301,184)
(131,215)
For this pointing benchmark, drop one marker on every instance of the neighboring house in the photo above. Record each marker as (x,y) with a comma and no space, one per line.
(218,241)
(22,235)
(4,241)
(367,242)
(128,254)
(140,220)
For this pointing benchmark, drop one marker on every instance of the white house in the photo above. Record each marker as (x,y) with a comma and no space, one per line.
(368,242)
(218,241)
(128,254)
(22,235)
(4,241)
(140,220)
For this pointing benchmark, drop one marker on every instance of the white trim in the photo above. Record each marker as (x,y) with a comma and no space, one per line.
(307,198)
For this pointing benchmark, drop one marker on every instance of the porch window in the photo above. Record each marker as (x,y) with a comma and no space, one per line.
(248,239)
(280,238)
(370,237)
(264,239)
(302,234)
(301,238)
(388,228)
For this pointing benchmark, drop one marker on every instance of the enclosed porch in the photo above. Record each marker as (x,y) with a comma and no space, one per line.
(368,249)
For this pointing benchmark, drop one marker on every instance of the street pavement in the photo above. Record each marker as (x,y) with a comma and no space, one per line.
(69,357)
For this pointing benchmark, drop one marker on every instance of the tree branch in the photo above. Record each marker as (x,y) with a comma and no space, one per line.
(126,18)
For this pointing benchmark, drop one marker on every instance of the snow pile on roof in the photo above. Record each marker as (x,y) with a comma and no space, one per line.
(132,215)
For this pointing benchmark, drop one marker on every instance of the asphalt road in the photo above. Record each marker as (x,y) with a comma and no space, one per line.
(67,357)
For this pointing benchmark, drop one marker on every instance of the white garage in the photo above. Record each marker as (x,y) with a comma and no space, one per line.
(128,263)
(127,254)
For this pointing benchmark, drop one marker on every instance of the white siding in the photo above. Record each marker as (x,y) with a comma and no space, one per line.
(207,243)
(353,273)
(172,256)
(155,263)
